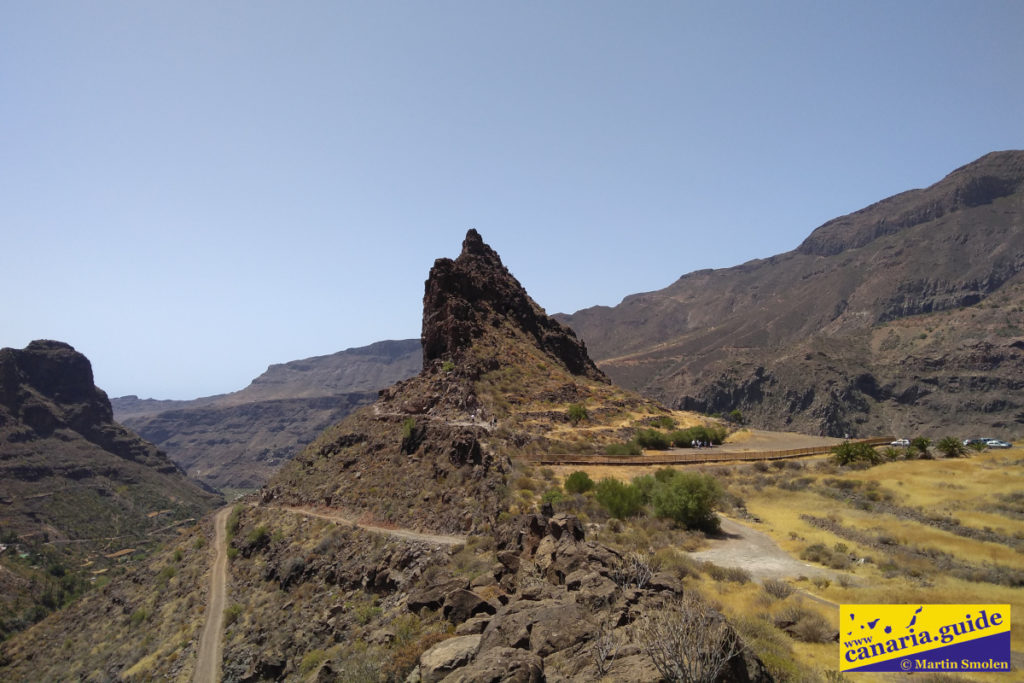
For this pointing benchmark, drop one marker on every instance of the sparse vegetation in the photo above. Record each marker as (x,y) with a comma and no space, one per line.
(687,641)
(577,413)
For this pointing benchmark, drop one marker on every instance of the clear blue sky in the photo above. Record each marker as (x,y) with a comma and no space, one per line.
(190,191)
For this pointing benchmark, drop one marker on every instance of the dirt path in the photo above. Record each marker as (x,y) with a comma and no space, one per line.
(756,552)
(406,534)
(208,664)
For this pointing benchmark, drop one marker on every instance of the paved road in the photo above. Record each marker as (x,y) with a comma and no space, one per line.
(406,534)
(208,664)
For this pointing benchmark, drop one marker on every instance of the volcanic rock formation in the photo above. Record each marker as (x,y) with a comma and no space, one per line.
(475,292)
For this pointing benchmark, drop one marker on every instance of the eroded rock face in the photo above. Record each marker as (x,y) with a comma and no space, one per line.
(474,293)
(48,386)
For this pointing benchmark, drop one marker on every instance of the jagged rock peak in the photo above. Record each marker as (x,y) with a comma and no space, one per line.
(465,298)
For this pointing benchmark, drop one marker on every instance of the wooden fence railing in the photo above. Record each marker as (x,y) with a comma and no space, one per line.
(694,456)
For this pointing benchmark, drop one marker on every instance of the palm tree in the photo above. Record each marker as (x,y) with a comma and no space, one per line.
(951,447)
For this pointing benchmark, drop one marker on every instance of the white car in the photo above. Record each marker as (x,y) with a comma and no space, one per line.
(901,442)
(996,443)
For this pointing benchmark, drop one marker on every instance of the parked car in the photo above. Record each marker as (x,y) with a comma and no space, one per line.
(996,443)
(901,443)
(982,441)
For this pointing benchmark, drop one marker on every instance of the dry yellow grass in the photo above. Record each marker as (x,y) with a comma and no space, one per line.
(962,487)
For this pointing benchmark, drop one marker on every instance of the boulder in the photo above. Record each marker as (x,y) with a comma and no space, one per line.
(433,593)
(500,665)
(462,604)
(446,656)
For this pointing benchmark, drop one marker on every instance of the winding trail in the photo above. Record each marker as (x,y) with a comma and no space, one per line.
(210,645)
(332,515)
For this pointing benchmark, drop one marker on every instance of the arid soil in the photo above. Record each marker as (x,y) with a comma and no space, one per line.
(749,549)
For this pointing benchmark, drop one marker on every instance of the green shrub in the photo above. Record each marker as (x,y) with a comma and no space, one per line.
(408,427)
(312,660)
(645,484)
(653,439)
(684,438)
(663,422)
(578,482)
(140,615)
(577,413)
(620,500)
(232,613)
(553,496)
(233,520)
(628,448)
(447,366)
(689,498)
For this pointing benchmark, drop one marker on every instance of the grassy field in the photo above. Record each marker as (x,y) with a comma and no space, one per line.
(917,531)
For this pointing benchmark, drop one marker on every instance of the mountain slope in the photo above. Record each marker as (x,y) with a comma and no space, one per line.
(237,440)
(75,485)
(822,339)
(496,372)
(523,598)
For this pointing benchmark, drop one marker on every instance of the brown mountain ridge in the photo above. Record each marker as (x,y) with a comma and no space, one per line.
(903,317)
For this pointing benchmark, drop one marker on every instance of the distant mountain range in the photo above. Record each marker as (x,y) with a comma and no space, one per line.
(904,317)
(236,440)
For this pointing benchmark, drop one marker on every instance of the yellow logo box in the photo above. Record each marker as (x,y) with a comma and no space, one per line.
(920,637)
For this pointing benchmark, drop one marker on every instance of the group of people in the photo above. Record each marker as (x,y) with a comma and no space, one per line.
(697,443)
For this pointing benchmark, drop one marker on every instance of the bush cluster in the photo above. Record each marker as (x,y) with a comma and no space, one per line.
(848,453)
(688,498)
(578,482)
(655,440)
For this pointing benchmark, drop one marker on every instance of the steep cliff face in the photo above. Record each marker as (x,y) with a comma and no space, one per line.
(854,331)
(47,392)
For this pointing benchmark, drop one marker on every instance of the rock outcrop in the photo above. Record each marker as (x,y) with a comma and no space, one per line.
(475,294)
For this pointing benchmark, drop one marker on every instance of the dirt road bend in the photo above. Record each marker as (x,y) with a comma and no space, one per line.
(756,552)
(406,534)
(208,664)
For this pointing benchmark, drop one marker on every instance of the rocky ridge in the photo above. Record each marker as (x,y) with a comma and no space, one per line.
(903,317)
